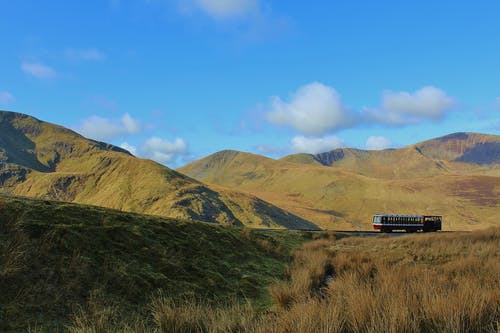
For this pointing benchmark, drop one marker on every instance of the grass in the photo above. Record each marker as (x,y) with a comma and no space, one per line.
(85,269)
(418,283)
(61,261)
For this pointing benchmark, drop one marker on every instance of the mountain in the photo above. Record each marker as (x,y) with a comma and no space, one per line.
(479,152)
(474,148)
(457,176)
(43,160)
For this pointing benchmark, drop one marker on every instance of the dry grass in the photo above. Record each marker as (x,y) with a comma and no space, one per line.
(422,283)
(197,316)
(305,275)
(418,283)
(97,317)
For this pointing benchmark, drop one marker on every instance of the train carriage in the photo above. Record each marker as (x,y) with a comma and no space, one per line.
(408,223)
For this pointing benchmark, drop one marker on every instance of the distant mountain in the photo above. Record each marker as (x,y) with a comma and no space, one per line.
(473,148)
(432,157)
(457,176)
(43,160)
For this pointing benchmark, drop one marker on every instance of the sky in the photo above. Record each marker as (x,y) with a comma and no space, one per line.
(177,80)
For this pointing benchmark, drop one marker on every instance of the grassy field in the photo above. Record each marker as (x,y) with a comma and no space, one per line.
(420,283)
(59,259)
(66,267)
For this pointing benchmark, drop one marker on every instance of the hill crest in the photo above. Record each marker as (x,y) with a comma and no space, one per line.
(467,147)
(42,160)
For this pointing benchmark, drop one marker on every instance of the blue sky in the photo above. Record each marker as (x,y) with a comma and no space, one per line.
(175,80)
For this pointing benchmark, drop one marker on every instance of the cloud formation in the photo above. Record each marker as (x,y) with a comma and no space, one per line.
(129,147)
(99,128)
(400,108)
(268,149)
(313,110)
(91,54)
(377,143)
(38,70)
(302,144)
(225,9)
(6,98)
(164,151)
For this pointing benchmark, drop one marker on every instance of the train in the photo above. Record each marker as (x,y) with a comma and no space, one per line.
(408,223)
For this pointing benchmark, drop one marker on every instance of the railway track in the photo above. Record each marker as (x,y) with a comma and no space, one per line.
(355,232)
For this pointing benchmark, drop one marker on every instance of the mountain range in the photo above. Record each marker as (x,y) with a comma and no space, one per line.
(457,176)
(43,160)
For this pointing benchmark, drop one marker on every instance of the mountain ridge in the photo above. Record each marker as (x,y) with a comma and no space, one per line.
(48,161)
(428,147)
(431,177)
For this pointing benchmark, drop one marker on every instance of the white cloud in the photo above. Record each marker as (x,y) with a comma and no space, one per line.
(377,143)
(399,108)
(130,148)
(91,54)
(99,128)
(38,70)
(164,151)
(314,109)
(6,97)
(131,125)
(302,144)
(225,9)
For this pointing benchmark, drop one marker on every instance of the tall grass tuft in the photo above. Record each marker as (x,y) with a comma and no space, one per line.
(190,316)
(306,274)
(421,283)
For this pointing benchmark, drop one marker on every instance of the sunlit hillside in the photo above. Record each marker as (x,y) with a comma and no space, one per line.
(457,176)
(42,160)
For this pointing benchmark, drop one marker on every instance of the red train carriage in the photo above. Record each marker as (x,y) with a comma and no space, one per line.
(409,223)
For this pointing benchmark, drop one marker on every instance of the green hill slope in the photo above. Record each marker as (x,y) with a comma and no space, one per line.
(43,160)
(344,188)
(54,256)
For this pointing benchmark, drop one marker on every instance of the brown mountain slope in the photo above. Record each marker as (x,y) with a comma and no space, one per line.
(462,153)
(362,183)
(43,160)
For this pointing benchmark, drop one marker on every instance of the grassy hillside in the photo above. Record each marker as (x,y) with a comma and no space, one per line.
(344,188)
(47,161)
(57,258)
(418,283)
(74,268)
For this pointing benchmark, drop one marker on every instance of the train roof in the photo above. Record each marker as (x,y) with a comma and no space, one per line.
(399,215)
